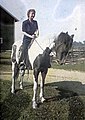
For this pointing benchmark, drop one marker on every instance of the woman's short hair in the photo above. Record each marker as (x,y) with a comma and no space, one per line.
(30,10)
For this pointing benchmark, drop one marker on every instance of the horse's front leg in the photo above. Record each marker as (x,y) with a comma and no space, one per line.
(42,87)
(35,88)
(22,72)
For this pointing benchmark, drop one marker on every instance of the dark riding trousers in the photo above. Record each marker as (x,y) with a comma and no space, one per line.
(29,28)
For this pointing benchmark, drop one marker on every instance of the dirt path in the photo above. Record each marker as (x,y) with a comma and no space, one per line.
(55,75)
(68,80)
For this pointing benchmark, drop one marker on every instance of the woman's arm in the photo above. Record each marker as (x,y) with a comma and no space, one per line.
(35,35)
(27,34)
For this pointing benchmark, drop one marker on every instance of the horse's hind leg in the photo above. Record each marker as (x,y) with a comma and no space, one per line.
(15,73)
(13,79)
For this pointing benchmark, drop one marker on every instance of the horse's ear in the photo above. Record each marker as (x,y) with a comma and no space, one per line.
(72,36)
(47,48)
(67,32)
(50,51)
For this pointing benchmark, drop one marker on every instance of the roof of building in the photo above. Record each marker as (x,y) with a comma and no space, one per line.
(14,7)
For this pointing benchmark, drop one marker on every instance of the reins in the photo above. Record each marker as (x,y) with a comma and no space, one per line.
(40,45)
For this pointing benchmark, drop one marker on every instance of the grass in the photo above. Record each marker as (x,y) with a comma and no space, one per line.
(5,54)
(60,104)
(79,66)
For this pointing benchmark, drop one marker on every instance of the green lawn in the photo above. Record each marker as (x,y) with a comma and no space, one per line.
(60,104)
(79,66)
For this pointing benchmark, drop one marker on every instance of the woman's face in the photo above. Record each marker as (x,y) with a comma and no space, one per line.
(31,15)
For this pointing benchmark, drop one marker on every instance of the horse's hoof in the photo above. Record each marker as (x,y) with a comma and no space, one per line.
(42,99)
(21,87)
(34,105)
(13,92)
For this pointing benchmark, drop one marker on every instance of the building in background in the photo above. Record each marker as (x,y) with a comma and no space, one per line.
(11,12)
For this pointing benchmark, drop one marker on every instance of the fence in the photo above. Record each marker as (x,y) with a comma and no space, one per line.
(76,55)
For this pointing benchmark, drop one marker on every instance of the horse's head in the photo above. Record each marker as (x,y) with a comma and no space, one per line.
(62,45)
(47,51)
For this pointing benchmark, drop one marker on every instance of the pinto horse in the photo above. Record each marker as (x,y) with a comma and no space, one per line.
(40,63)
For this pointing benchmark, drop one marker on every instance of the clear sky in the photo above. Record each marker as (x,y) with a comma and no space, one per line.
(55,16)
